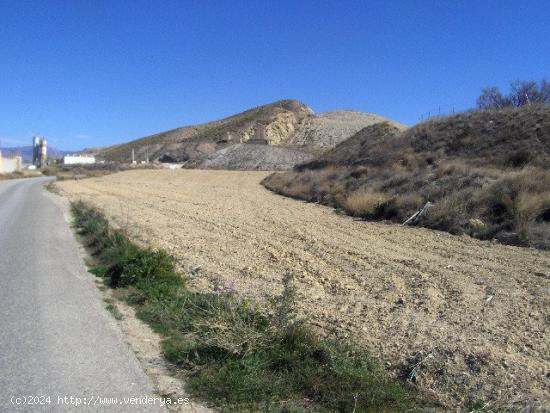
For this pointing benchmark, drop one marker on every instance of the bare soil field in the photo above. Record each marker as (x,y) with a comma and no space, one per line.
(467,320)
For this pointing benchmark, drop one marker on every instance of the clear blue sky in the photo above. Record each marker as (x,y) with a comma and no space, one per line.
(91,73)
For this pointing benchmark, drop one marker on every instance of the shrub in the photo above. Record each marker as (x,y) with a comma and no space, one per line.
(300,191)
(518,158)
(447,215)
(132,265)
(530,207)
(408,203)
(365,204)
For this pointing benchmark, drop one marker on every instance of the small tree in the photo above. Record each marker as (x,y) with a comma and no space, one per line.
(522,92)
(545,91)
(492,98)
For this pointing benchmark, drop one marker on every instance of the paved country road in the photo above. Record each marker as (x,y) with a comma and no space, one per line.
(56,338)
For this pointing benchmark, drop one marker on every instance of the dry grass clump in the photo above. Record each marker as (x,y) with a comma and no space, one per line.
(300,190)
(365,204)
(518,206)
(408,202)
(12,175)
(530,207)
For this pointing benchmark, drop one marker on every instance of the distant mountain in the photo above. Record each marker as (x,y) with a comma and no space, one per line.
(274,136)
(26,152)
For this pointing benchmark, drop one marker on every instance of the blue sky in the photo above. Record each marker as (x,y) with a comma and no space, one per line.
(91,73)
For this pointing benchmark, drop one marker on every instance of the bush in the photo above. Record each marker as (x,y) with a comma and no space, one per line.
(408,203)
(133,265)
(365,204)
(517,201)
(448,214)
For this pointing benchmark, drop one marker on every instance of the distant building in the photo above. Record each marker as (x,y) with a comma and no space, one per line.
(78,160)
(9,165)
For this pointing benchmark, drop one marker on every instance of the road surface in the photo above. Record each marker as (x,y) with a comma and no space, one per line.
(56,338)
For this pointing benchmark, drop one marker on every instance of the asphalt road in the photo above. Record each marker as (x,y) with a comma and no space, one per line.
(56,338)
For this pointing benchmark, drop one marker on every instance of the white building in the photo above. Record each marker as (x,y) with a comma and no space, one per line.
(78,160)
(9,165)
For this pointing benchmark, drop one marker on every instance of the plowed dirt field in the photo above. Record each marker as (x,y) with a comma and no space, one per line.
(470,317)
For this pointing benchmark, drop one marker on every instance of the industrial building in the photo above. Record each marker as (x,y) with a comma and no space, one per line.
(40,151)
(78,160)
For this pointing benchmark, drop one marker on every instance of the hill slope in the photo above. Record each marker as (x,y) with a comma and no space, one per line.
(327,129)
(485,172)
(500,138)
(274,136)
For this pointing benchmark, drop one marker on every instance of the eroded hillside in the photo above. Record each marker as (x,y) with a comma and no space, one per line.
(275,136)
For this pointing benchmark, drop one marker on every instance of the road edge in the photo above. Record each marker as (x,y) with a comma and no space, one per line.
(142,341)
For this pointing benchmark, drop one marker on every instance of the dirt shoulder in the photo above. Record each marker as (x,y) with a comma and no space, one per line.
(470,315)
(141,339)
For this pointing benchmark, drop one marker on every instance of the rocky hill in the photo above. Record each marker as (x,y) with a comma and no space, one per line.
(275,136)
(327,129)
(369,145)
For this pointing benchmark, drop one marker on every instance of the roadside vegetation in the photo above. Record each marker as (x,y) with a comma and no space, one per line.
(17,175)
(238,354)
(486,173)
(64,172)
(113,309)
(71,172)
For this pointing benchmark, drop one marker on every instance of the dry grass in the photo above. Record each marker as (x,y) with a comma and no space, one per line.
(365,204)
(511,205)
(509,137)
(67,172)
(21,174)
